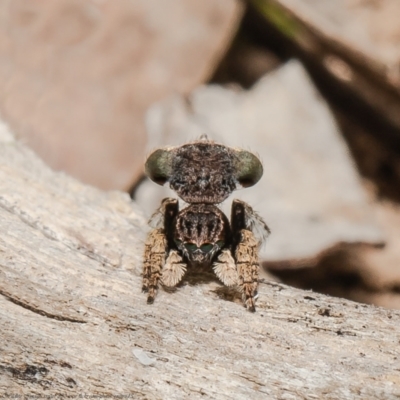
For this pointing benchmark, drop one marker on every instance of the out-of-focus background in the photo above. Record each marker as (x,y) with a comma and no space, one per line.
(312,86)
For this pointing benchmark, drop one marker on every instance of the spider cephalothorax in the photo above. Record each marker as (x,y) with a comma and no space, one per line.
(203,174)
(201,231)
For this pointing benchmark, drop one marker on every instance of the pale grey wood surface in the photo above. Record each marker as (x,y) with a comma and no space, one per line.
(74,321)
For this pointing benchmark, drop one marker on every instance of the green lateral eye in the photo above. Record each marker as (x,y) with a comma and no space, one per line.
(191,247)
(220,244)
(207,247)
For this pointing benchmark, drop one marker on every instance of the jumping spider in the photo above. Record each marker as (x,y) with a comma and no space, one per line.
(200,236)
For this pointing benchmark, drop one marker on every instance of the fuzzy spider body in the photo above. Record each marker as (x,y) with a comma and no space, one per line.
(201,231)
(200,236)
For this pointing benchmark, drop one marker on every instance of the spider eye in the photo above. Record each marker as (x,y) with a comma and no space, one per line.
(207,247)
(248,167)
(178,242)
(190,247)
(158,166)
(220,244)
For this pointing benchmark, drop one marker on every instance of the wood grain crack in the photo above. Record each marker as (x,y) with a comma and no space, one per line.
(39,311)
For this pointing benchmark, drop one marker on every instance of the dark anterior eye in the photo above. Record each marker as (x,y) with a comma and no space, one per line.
(191,247)
(207,247)
(220,244)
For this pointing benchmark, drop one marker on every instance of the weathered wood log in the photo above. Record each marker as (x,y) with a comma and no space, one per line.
(74,321)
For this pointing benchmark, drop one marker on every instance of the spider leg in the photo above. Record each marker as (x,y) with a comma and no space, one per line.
(158,245)
(248,233)
(153,260)
(248,268)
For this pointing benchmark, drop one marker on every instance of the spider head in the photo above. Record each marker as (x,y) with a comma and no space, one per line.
(201,231)
(204,171)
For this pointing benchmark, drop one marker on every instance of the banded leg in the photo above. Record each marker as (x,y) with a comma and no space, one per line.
(157,245)
(246,255)
(153,260)
(249,231)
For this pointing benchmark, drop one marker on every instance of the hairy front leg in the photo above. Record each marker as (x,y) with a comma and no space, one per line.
(246,255)
(249,231)
(153,260)
(158,242)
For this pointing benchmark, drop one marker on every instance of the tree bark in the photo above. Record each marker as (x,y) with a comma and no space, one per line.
(74,321)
